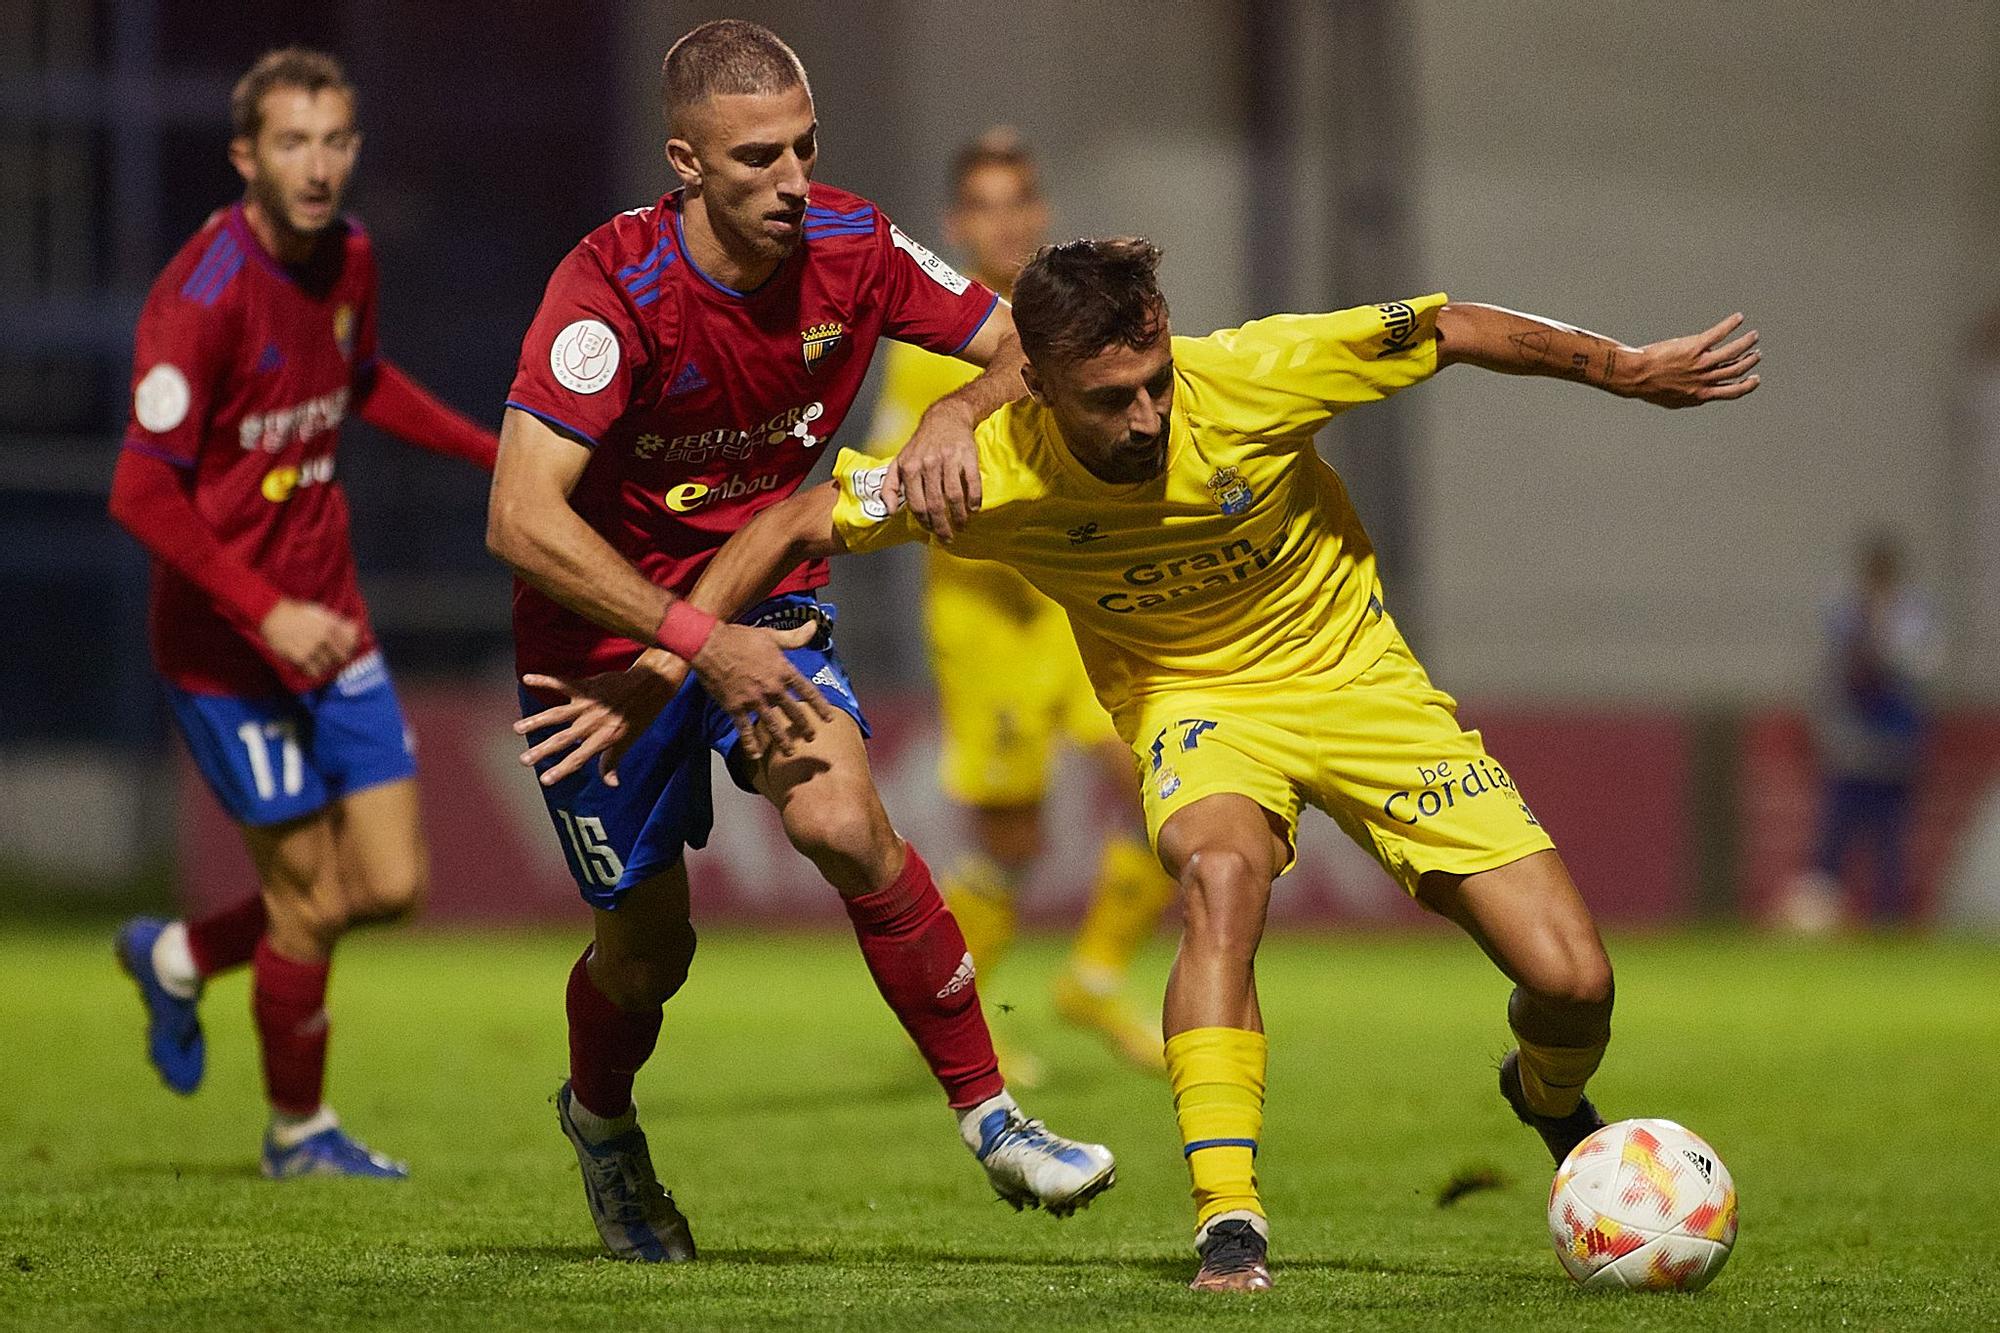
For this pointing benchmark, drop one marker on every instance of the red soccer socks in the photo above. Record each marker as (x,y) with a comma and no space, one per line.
(607,1045)
(288,1001)
(920,964)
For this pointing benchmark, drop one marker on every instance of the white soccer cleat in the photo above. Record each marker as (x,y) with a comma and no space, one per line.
(635,1216)
(1030,1167)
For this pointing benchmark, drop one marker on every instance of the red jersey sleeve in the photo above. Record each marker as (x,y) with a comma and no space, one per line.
(929,303)
(583,354)
(179,357)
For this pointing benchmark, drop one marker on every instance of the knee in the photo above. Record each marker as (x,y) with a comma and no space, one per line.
(640,980)
(1578,978)
(1223,899)
(845,834)
(394,897)
(317,912)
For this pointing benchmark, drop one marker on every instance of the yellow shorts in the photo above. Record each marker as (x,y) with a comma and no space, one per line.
(1010,684)
(1383,754)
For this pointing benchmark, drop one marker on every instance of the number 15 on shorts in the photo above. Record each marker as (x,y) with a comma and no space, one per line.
(595,858)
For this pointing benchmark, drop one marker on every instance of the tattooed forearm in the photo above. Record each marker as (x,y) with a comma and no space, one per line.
(1610,367)
(1533,347)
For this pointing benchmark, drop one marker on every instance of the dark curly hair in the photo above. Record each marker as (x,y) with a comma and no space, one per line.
(1075,299)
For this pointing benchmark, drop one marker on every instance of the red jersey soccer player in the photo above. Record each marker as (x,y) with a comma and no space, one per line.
(254,343)
(689,361)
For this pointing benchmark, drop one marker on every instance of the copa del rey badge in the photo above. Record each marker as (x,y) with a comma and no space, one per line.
(818,342)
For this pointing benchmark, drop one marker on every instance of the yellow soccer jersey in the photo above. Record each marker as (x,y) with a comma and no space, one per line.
(1244,560)
(912,380)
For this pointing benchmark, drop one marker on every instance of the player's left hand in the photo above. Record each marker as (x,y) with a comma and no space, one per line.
(601,716)
(1704,367)
(937,473)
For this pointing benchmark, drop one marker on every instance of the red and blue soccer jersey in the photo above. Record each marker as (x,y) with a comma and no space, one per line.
(242,373)
(702,404)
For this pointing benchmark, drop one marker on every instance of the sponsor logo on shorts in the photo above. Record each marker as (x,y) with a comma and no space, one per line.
(1220,568)
(1442,787)
(362,675)
(160,399)
(584,356)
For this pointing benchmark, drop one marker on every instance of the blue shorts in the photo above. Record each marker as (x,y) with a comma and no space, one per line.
(286,755)
(615,837)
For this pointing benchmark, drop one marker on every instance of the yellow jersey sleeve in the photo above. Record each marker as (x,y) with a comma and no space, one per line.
(1287,375)
(912,379)
(861,518)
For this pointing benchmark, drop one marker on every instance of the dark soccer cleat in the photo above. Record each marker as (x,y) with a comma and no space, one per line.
(173,1026)
(635,1215)
(1561,1134)
(1232,1251)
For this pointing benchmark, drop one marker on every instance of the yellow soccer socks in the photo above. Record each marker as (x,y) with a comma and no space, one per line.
(1218,1080)
(1552,1077)
(981,895)
(1125,907)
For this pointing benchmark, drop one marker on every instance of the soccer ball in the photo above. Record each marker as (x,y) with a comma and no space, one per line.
(1643,1205)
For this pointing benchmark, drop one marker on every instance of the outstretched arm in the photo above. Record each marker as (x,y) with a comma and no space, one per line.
(1701,368)
(394,402)
(937,473)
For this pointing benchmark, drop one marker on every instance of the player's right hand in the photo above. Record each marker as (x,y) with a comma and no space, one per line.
(316,640)
(745,670)
(601,716)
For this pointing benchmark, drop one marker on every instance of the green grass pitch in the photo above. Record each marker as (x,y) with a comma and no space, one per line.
(1850,1086)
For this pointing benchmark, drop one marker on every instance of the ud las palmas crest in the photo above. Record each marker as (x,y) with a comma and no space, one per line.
(1231,492)
(819,341)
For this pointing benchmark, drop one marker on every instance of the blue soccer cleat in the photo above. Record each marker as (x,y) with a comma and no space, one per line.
(173,1026)
(331,1152)
(1031,1168)
(634,1214)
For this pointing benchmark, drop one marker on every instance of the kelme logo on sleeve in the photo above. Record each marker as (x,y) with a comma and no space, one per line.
(1399,321)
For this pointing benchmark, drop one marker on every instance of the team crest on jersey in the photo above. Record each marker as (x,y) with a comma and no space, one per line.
(1231,492)
(343,330)
(819,341)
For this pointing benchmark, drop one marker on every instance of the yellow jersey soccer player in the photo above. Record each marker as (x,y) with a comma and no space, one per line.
(1228,611)
(1001,730)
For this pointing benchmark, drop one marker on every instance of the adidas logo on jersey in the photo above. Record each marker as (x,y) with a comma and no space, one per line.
(824,676)
(689,379)
(959,979)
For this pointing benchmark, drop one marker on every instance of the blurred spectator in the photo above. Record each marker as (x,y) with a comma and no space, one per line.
(1881,651)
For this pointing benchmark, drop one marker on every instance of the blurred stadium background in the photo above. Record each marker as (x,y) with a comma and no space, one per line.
(1628,603)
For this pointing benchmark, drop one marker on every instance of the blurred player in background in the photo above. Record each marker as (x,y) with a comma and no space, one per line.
(254,344)
(1879,657)
(1230,616)
(1011,687)
(688,360)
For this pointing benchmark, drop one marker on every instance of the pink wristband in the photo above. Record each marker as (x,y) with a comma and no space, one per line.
(684,629)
